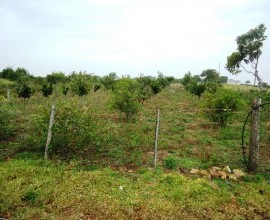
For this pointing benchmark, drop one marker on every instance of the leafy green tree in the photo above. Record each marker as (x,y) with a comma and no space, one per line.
(163,81)
(156,86)
(24,89)
(197,88)
(47,89)
(145,83)
(186,80)
(14,75)
(56,77)
(220,106)
(126,97)
(223,79)
(210,75)
(249,50)
(80,84)
(247,82)
(109,81)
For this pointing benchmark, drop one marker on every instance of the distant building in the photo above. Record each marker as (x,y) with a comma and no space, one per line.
(233,82)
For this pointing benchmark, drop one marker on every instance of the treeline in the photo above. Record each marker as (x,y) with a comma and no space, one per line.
(79,83)
(128,94)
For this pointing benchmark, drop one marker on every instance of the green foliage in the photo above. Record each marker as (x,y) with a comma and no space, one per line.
(145,83)
(14,75)
(24,89)
(186,80)
(97,86)
(156,86)
(210,75)
(6,115)
(109,81)
(64,89)
(223,79)
(212,86)
(55,78)
(194,84)
(73,132)
(29,197)
(47,89)
(80,84)
(170,162)
(220,106)
(126,97)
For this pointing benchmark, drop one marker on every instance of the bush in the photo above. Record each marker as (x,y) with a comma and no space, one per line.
(80,84)
(73,132)
(220,106)
(109,81)
(47,89)
(170,162)
(126,97)
(24,89)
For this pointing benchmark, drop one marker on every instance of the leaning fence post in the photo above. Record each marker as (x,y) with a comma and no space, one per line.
(253,159)
(156,139)
(8,93)
(49,137)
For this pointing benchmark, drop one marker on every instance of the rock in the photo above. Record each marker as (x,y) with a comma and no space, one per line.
(130,171)
(205,173)
(213,172)
(227,169)
(233,177)
(194,171)
(238,173)
(222,174)
(216,168)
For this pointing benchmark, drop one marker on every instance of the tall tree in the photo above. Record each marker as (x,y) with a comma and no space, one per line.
(249,50)
(210,75)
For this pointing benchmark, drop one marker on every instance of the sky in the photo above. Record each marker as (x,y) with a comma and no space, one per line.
(129,37)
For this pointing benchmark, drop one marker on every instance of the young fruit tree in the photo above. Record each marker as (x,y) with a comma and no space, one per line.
(249,50)
(80,84)
(126,96)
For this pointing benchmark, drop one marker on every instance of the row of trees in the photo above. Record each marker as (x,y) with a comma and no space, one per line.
(218,103)
(127,94)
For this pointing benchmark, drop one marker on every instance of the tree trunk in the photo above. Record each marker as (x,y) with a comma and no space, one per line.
(253,160)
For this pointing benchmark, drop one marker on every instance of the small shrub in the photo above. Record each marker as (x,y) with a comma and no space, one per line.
(126,97)
(29,197)
(220,106)
(80,84)
(24,90)
(170,162)
(47,89)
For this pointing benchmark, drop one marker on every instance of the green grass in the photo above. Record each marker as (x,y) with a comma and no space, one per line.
(41,190)
(85,185)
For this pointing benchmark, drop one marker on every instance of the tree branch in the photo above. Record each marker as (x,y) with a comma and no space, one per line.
(247,70)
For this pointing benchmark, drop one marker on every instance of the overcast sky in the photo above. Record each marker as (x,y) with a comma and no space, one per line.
(128,36)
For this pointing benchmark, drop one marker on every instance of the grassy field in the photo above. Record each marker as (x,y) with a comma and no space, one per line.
(113,177)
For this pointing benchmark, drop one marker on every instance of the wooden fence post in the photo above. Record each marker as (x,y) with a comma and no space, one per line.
(156,139)
(253,159)
(49,137)
(8,93)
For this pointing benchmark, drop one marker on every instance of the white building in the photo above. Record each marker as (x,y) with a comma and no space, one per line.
(233,82)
